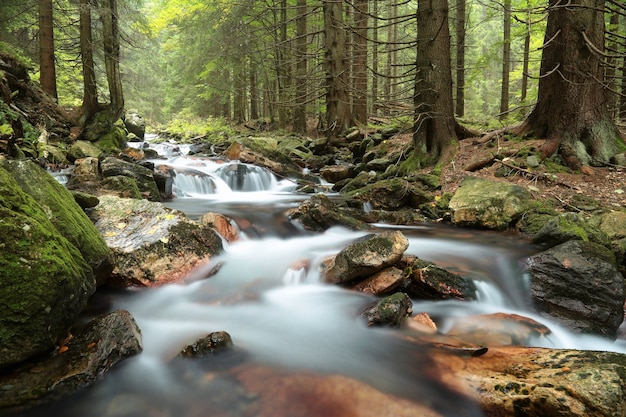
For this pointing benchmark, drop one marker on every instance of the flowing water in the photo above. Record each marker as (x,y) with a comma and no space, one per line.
(279,314)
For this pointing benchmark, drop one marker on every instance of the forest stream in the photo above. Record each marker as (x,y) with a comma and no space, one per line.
(268,296)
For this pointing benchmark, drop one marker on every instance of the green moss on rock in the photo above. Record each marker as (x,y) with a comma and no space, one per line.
(44,280)
(63,212)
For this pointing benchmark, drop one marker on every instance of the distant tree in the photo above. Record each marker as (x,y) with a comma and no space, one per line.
(47,70)
(571,111)
(338,114)
(460,58)
(506,59)
(299,113)
(111,43)
(359,61)
(434,123)
(90,92)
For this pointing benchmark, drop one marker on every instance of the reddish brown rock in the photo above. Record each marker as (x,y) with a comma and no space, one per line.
(382,282)
(222,225)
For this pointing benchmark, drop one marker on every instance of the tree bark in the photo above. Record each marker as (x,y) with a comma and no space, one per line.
(90,92)
(506,59)
(434,124)
(111,43)
(571,110)
(460,58)
(359,68)
(47,71)
(526,58)
(338,115)
(254,92)
(299,113)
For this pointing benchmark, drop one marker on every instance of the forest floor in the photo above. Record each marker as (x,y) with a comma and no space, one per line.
(573,191)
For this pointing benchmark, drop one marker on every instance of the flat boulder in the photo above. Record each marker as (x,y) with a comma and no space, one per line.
(320,213)
(518,381)
(151,244)
(142,176)
(578,285)
(488,204)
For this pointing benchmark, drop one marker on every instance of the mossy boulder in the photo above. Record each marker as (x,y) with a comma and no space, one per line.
(488,204)
(44,280)
(63,212)
(82,149)
(143,177)
(392,194)
(570,226)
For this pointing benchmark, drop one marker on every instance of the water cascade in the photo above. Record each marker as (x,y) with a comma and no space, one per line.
(268,296)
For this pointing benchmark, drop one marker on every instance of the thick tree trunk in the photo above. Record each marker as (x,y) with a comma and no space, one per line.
(111,43)
(460,58)
(506,59)
(434,124)
(299,113)
(47,71)
(571,110)
(359,68)
(90,92)
(338,116)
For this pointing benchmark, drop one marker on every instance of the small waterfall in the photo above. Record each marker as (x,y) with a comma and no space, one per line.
(246,177)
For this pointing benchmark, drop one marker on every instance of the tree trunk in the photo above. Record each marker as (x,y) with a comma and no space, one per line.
(375,70)
(90,92)
(506,60)
(571,110)
(254,92)
(239,94)
(111,43)
(338,116)
(610,74)
(299,113)
(526,58)
(359,67)
(460,58)
(47,71)
(434,124)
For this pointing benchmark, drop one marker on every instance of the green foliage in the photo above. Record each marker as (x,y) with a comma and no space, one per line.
(185,126)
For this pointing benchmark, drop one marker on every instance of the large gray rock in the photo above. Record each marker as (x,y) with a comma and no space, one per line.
(319,213)
(144,177)
(578,285)
(488,204)
(366,257)
(44,280)
(569,226)
(135,124)
(152,245)
(104,342)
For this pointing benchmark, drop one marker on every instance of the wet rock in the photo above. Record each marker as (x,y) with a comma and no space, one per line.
(488,204)
(382,282)
(431,282)
(152,245)
(45,280)
(135,124)
(513,381)
(319,213)
(389,311)
(84,200)
(613,224)
(335,173)
(83,149)
(92,351)
(86,174)
(222,225)
(392,194)
(365,257)
(144,177)
(569,226)
(212,343)
(578,285)
(321,396)
(498,329)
